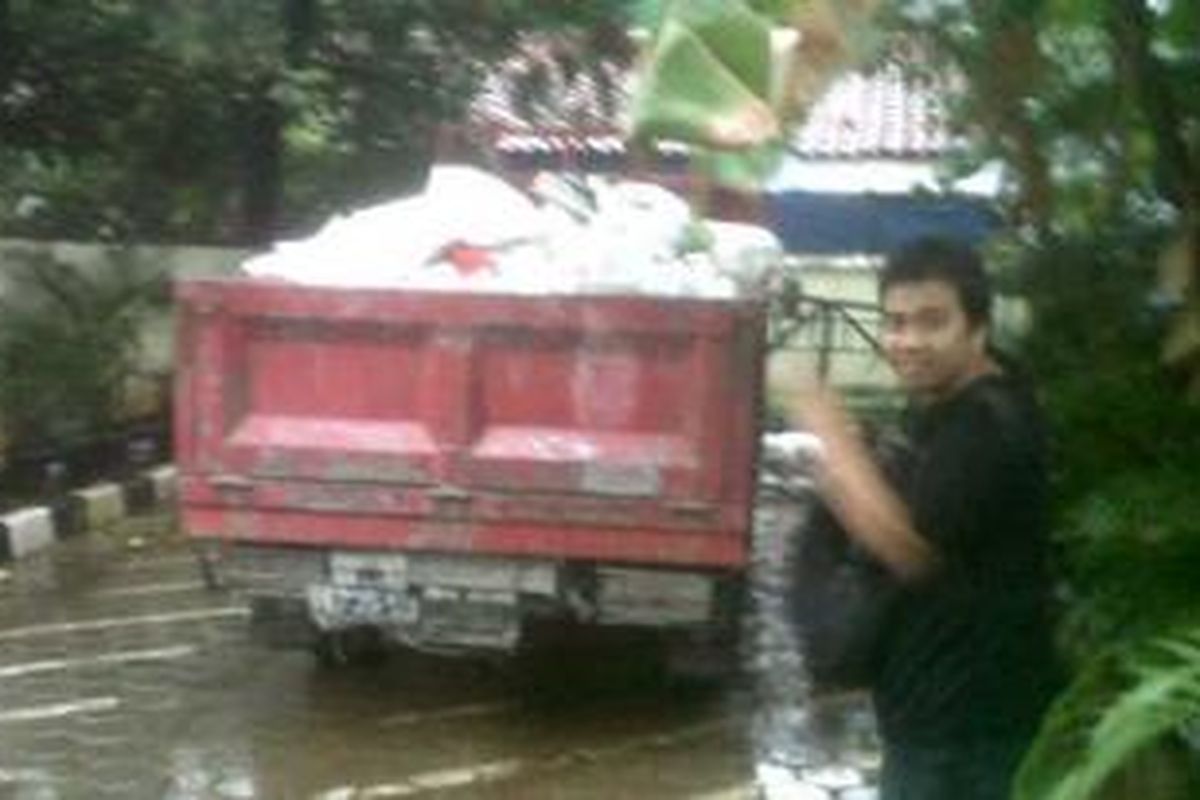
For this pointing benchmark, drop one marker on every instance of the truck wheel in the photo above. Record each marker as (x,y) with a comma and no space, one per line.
(280,622)
(704,661)
(327,649)
(349,647)
(572,663)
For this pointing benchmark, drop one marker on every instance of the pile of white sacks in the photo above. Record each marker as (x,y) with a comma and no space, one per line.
(468,230)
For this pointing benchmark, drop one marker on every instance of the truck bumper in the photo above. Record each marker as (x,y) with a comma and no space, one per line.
(453,602)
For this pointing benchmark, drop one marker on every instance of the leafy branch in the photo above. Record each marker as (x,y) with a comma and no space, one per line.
(1120,704)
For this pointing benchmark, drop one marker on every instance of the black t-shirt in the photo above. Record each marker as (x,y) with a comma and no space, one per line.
(967,653)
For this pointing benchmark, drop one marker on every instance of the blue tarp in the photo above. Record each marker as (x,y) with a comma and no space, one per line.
(825,223)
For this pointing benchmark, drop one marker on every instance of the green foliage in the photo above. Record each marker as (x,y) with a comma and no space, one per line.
(1127,450)
(649,13)
(1094,347)
(709,82)
(1127,441)
(235,121)
(69,343)
(1097,178)
(1093,113)
(1134,549)
(718,78)
(1119,705)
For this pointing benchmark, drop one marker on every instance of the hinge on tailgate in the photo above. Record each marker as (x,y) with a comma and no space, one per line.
(227,481)
(231,484)
(449,501)
(449,493)
(692,509)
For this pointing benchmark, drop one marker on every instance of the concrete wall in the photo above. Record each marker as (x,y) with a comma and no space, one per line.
(179,261)
(146,393)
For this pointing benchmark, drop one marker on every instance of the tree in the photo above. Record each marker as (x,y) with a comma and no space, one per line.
(235,121)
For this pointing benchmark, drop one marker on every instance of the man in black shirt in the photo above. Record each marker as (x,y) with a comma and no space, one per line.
(966,664)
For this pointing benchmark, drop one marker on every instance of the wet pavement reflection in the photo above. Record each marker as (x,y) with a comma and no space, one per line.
(122,676)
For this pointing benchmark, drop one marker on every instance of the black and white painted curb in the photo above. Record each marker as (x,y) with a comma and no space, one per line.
(28,530)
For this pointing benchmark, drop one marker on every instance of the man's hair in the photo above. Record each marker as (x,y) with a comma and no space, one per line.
(934,258)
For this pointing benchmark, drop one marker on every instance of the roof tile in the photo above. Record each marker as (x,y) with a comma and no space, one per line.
(531,103)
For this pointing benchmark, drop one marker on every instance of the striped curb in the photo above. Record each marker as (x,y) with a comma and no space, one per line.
(99,506)
(28,530)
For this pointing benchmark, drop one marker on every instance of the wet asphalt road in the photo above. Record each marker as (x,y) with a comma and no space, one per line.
(122,676)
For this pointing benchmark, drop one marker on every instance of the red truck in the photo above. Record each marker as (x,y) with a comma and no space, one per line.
(448,468)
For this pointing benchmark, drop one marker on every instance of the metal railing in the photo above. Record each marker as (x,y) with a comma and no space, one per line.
(826,325)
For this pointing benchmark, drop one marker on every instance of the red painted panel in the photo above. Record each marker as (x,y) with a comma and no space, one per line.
(515,410)
(717,549)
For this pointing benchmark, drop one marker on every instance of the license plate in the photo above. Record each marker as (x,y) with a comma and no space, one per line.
(333,607)
(375,569)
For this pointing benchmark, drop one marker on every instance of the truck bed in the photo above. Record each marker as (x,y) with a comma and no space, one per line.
(619,429)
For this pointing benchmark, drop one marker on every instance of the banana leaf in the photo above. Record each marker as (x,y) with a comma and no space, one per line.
(692,93)
(726,80)
(1117,707)
(738,38)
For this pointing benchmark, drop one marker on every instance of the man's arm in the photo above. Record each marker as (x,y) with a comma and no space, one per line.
(861,498)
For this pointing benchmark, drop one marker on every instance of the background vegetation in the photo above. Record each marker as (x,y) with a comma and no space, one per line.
(235,121)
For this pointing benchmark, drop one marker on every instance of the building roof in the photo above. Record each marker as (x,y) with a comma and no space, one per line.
(542,100)
(848,187)
(876,114)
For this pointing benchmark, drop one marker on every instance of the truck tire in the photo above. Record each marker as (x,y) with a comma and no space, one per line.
(573,663)
(351,647)
(703,660)
(280,622)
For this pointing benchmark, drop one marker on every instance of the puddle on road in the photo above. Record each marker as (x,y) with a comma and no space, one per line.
(804,745)
(246,722)
(417,724)
(74,566)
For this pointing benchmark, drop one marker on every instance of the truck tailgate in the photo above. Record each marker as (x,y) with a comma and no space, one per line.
(613,428)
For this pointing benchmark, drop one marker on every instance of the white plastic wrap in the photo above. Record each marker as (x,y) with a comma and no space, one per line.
(471,231)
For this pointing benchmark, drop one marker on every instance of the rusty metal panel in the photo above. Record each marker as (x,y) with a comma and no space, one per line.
(594,542)
(448,421)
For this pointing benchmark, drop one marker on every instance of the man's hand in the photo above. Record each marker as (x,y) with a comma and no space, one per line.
(818,409)
(859,495)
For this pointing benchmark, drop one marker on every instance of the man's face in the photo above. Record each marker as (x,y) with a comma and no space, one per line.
(928,339)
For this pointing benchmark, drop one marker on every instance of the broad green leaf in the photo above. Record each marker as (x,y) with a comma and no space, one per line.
(739,38)
(690,95)
(723,77)
(1121,703)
